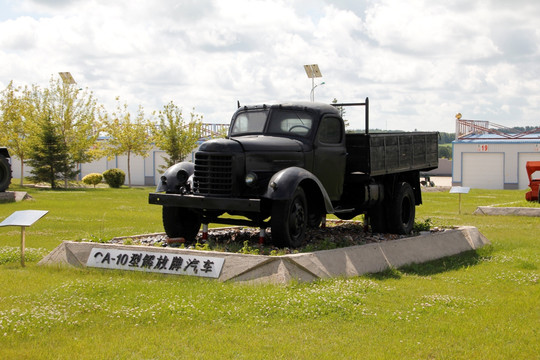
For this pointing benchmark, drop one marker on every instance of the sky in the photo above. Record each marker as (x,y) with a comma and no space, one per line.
(420,62)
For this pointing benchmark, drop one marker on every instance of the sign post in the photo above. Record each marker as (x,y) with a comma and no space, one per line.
(24,219)
(459,190)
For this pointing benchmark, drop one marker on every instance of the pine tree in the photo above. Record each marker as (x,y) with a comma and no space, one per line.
(49,155)
(75,114)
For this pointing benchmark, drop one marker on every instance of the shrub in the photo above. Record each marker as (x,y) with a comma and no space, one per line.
(422,225)
(92,179)
(114,177)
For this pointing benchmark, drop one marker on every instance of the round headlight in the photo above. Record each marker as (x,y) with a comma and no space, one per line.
(182,176)
(251,179)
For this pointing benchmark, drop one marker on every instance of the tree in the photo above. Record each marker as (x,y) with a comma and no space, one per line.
(174,136)
(74,113)
(446,138)
(49,155)
(16,106)
(126,135)
(77,116)
(342,112)
(445,151)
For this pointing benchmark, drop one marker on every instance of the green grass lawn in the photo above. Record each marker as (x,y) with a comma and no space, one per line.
(478,305)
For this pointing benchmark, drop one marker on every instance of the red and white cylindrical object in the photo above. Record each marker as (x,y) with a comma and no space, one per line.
(205,232)
(262,234)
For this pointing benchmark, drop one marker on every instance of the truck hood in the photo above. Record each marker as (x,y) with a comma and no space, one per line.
(221,145)
(269,144)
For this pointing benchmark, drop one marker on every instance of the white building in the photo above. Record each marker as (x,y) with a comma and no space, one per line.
(486,158)
(144,171)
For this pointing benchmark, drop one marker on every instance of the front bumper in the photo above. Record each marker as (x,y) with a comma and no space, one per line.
(205,202)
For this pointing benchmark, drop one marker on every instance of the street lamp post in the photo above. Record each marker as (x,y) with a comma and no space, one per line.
(312,95)
(313,72)
(68,81)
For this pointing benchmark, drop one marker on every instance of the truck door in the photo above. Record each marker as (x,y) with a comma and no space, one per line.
(330,155)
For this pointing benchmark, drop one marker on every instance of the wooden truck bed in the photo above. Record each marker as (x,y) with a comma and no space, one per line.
(389,153)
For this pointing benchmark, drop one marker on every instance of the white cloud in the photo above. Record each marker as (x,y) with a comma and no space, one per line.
(419,61)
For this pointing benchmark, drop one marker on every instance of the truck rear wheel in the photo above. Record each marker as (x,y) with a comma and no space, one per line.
(289,220)
(402,210)
(5,173)
(181,222)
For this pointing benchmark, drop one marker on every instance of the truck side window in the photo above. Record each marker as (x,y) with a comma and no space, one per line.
(330,131)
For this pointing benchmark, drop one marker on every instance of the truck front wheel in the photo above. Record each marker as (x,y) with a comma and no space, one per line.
(181,222)
(402,209)
(289,220)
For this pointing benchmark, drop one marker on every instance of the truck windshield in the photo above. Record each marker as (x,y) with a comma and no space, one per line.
(281,121)
(249,122)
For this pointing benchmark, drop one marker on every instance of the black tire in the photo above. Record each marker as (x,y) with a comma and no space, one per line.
(181,222)
(402,210)
(378,219)
(5,173)
(289,220)
(314,220)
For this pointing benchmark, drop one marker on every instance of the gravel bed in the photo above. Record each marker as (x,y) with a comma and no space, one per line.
(336,234)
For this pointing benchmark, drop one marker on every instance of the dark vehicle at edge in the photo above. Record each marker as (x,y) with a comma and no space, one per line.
(5,169)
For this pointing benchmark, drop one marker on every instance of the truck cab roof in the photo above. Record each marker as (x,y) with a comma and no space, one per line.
(313,107)
(295,119)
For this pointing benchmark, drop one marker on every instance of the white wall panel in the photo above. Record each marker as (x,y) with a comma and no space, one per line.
(483,170)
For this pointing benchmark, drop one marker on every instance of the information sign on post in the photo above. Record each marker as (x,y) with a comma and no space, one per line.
(459,190)
(24,219)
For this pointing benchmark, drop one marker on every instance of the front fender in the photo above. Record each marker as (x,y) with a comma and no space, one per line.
(169,181)
(283,184)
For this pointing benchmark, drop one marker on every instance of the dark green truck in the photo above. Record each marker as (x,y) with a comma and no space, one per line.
(286,166)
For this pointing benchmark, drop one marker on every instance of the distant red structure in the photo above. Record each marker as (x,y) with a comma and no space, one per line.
(534,184)
(489,130)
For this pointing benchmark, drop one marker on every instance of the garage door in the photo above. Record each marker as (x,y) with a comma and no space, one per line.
(522,172)
(483,171)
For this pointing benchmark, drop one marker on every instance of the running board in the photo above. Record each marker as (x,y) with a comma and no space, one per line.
(341,211)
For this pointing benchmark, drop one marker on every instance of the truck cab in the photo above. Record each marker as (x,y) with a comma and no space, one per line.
(292,135)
